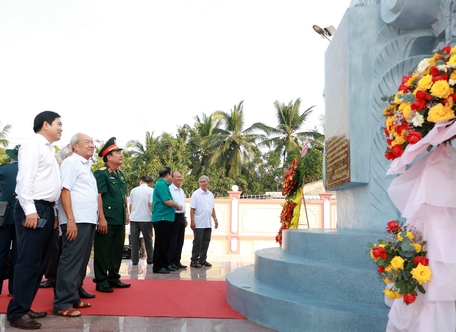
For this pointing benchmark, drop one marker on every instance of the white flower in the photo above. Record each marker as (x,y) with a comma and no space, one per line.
(423,65)
(451,82)
(443,68)
(417,120)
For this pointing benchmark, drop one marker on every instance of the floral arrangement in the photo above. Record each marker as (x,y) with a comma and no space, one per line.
(292,190)
(425,97)
(401,262)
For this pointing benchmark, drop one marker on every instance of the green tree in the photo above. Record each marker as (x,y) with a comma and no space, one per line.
(4,134)
(232,145)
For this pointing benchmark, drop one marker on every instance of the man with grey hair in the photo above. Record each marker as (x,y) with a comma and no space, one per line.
(201,211)
(78,215)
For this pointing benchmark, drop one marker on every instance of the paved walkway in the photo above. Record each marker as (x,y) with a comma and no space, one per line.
(222,264)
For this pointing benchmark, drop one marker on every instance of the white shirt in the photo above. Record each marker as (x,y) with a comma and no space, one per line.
(77,177)
(203,203)
(178,197)
(139,199)
(38,177)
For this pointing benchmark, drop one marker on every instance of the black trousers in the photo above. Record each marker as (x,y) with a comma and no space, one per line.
(8,243)
(176,241)
(162,231)
(55,250)
(33,252)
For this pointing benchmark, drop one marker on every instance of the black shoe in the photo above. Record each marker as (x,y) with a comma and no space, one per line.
(169,268)
(174,266)
(38,314)
(26,323)
(195,264)
(206,264)
(162,271)
(84,295)
(47,283)
(180,266)
(104,289)
(119,284)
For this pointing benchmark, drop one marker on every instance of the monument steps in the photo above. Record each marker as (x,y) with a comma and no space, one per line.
(310,285)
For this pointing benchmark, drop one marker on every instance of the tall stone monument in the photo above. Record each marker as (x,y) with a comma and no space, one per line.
(324,279)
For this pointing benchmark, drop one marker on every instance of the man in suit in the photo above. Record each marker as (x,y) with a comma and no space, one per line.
(8,175)
(112,218)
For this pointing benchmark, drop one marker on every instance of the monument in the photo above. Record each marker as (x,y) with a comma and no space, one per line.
(324,280)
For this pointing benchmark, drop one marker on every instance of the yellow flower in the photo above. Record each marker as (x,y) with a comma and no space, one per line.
(421,273)
(441,89)
(398,140)
(452,60)
(392,294)
(389,122)
(398,97)
(387,281)
(417,246)
(408,234)
(397,263)
(405,109)
(424,83)
(439,113)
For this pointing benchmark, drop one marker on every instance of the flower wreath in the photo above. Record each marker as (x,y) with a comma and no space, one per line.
(425,97)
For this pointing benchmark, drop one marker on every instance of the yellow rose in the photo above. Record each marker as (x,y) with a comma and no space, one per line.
(408,234)
(421,273)
(389,122)
(405,109)
(417,246)
(441,89)
(453,50)
(424,83)
(397,263)
(452,60)
(398,97)
(392,294)
(439,113)
(398,140)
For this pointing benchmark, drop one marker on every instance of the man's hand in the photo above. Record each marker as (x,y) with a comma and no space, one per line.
(179,207)
(192,225)
(31,220)
(127,221)
(102,226)
(72,230)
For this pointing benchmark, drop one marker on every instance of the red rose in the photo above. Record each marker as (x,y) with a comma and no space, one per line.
(418,104)
(409,298)
(419,259)
(393,227)
(434,71)
(420,94)
(403,88)
(447,49)
(380,269)
(397,150)
(379,253)
(389,156)
(413,137)
(443,77)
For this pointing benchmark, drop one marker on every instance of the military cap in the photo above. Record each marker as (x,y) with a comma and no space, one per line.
(110,145)
(12,153)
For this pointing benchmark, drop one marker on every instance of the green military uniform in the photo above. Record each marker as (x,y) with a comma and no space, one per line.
(108,248)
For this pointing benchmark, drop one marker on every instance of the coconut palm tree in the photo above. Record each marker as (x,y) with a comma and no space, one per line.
(3,134)
(286,138)
(232,145)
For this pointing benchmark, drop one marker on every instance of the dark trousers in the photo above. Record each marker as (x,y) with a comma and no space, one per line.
(162,232)
(202,237)
(108,250)
(176,241)
(33,252)
(72,265)
(55,250)
(146,229)
(8,251)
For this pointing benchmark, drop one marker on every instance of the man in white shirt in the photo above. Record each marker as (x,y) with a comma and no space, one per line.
(141,219)
(38,188)
(201,211)
(78,215)
(176,241)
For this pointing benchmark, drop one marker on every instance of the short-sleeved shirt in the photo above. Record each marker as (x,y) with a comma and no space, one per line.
(161,211)
(113,188)
(139,199)
(178,197)
(78,178)
(203,203)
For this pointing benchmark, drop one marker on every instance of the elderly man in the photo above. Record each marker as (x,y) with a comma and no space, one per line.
(201,210)
(112,218)
(163,208)
(141,219)
(38,188)
(78,215)
(180,222)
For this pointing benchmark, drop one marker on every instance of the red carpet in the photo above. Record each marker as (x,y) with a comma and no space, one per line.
(148,298)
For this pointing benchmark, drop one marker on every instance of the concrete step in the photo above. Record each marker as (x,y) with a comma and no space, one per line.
(288,310)
(339,246)
(319,279)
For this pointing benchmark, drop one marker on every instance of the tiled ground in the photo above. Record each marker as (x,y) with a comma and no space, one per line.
(222,265)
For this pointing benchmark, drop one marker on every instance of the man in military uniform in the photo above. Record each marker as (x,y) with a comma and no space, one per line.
(112,206)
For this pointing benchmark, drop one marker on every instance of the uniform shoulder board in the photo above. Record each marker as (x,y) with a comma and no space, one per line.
(102,168)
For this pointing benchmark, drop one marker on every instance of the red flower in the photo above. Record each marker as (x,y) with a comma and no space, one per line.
(379,253)
(409,298)
(397,150)
(413,137)
(390,156)
(380,269)
(403,88)
(443,77)
(423,260)
(434,71)
(447,49)
(420,94)
(393,227)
